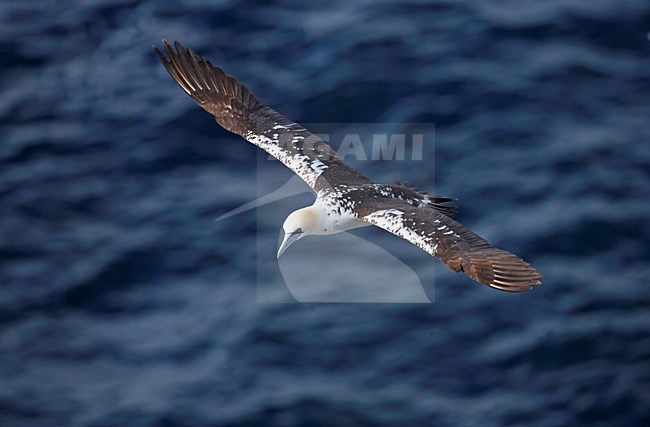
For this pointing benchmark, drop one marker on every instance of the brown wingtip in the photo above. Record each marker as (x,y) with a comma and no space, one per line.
(167,48)
(501,270)
(212,88)
(515,288)
(516,281)
(159,54)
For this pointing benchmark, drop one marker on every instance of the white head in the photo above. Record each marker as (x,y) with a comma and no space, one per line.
(298,224)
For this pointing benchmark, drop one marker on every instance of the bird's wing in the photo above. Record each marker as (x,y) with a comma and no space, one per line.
(452,243)
(239,111)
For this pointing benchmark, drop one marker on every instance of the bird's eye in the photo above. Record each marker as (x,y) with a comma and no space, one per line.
(298,231)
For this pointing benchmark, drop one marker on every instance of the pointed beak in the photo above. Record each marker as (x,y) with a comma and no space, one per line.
(287,240)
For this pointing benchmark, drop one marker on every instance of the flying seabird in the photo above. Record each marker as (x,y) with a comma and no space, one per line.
(345,198)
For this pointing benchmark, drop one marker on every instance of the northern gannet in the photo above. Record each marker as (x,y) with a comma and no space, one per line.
(345,199)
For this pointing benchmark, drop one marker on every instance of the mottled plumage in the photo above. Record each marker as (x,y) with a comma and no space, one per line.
(345,198)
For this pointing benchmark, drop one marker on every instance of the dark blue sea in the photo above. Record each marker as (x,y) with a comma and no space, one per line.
(124,303)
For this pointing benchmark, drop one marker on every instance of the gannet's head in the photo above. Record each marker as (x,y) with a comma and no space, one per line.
(298,224)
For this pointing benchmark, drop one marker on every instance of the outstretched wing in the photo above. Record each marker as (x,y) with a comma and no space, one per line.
(453,244)
(239,111)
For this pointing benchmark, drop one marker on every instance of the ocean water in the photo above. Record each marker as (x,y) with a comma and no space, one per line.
(123,301)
